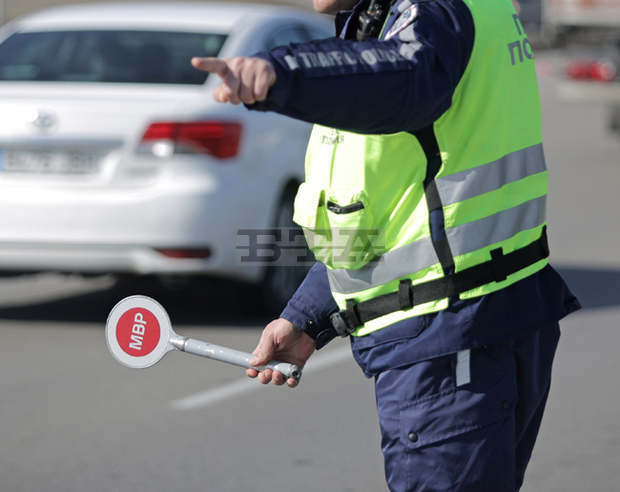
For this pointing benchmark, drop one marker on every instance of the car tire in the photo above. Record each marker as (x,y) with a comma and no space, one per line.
(280,281)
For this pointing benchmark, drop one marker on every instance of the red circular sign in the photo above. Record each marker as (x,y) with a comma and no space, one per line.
(137,332)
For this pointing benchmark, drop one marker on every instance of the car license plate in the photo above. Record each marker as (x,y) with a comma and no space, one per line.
(49,162)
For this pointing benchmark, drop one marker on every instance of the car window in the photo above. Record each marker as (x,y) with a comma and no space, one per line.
(286,35)
(106,56)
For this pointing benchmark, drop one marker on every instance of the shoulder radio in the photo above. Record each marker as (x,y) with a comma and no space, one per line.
(371,20)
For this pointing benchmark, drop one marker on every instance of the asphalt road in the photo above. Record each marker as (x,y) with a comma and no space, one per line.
(71,419)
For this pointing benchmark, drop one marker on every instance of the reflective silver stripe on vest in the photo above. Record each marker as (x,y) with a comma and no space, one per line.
(410,258)
(492,176)
(420,254)
(497,227)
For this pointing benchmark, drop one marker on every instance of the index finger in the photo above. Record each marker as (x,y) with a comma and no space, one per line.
(211,65)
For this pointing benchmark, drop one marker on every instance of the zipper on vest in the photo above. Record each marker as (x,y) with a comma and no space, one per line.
(333,159)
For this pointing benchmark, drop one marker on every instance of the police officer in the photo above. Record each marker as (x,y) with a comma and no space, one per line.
(424,203)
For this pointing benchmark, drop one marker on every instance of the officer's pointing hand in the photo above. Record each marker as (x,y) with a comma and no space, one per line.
(246,80)
(282,341)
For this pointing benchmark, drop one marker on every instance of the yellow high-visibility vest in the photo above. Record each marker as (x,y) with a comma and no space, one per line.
(380,209)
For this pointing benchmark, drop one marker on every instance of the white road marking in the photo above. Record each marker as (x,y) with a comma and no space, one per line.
(244,385)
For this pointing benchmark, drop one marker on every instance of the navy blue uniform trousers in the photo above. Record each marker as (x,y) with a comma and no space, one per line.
(477,436)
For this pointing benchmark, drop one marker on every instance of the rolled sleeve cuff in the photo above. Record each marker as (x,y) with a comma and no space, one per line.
(311,305)
(297,316)
(322,334)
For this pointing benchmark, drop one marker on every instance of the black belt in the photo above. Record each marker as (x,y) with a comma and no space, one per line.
(496,269)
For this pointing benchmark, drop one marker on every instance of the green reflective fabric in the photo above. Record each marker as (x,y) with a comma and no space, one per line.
(363,205)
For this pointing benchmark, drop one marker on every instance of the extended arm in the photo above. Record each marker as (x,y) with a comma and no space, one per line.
(375,86)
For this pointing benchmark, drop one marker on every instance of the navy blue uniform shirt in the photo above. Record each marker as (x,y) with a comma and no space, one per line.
(403,83)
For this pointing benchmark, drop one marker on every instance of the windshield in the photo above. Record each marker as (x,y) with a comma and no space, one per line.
(144,57)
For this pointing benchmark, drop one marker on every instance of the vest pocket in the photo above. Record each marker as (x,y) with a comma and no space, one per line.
(338,227)
(307,202)
(355,239)
(310,213)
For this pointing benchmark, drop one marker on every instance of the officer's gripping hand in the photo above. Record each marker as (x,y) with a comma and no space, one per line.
(244,79)
(281,341)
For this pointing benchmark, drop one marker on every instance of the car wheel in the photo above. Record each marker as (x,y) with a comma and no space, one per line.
(282,279)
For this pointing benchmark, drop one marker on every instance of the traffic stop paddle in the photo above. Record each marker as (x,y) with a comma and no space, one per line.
(139,334)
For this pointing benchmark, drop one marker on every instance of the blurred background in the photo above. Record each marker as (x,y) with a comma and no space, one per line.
(119,176)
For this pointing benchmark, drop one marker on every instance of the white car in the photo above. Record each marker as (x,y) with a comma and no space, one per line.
(114,158)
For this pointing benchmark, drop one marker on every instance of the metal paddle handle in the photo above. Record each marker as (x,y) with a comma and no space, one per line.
(231,356)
